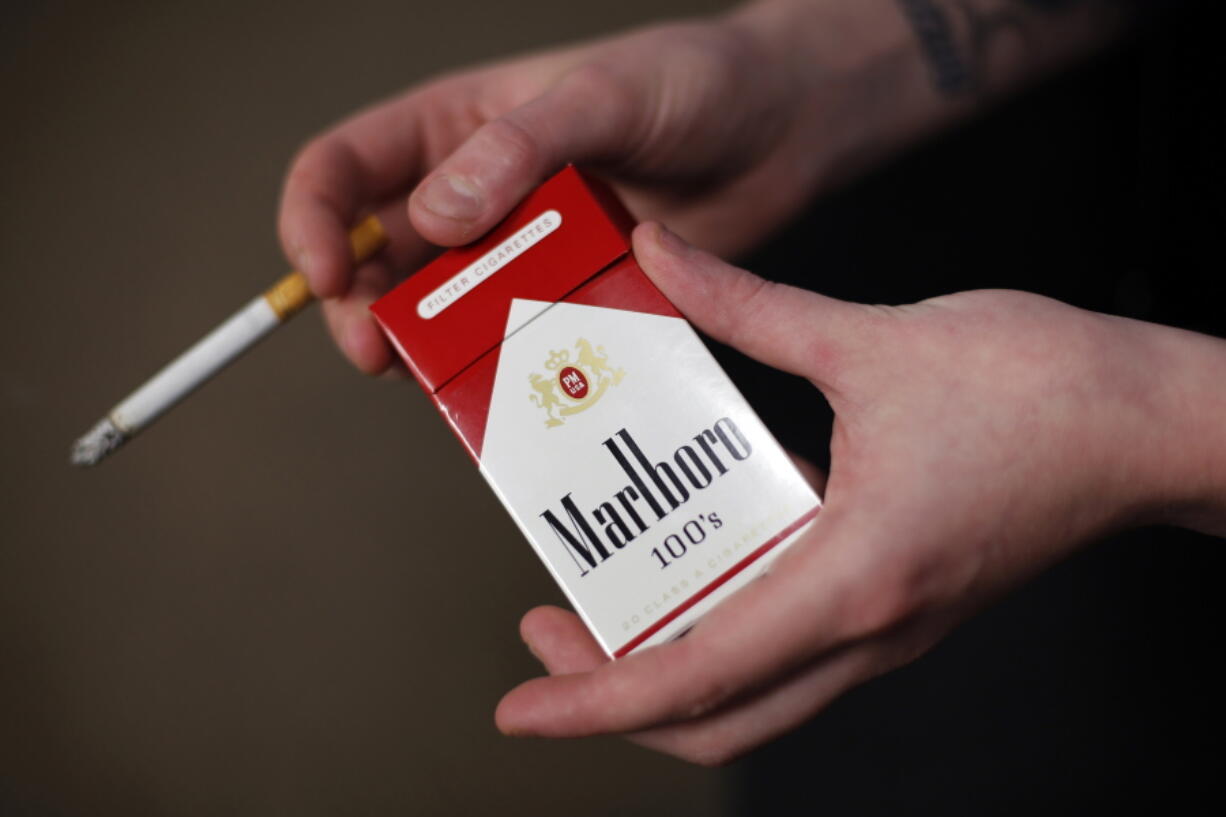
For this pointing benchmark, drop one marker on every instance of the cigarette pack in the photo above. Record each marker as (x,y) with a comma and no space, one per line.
(632,464)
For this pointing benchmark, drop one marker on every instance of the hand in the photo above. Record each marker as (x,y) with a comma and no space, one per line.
(978,438)
(708,125)
(723,128)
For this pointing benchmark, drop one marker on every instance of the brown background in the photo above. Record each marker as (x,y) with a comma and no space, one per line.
(293,595)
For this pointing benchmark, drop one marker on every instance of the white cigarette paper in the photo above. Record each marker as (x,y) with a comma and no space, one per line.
(182,375)
(212,353)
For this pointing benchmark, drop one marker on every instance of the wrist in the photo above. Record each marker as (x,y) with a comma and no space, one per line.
(857,75)
(877,75)
(1186,444)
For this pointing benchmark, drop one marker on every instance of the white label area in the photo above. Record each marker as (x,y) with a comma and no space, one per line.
(634,467)
(507,251)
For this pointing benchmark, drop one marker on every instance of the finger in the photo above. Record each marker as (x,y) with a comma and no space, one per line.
(563,644)
(816,598)
(792,329)
(369,158)
(561,641)
(321,197)
(405,251)
(722,736)
(347,315)
(351,325)
(729,733)
(587,115)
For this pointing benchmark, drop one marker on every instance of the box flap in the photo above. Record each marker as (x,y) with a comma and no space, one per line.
(457,308)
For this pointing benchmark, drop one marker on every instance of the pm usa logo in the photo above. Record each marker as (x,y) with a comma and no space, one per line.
(573,386)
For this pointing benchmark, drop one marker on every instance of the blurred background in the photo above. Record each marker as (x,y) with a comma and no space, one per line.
(267,603)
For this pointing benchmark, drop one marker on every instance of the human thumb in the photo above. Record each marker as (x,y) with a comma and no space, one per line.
(791,329)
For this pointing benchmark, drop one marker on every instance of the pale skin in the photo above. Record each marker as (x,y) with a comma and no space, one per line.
(979,437)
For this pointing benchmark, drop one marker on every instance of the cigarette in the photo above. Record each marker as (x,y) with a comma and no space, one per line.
(211,354)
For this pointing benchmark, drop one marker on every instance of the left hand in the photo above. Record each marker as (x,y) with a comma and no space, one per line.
(979,437)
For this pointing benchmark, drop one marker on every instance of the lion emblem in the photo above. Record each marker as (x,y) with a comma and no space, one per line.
(573,387)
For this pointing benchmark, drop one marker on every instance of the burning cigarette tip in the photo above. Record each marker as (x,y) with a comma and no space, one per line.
(97,443)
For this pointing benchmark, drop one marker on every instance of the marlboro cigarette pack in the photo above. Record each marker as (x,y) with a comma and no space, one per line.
(642,478)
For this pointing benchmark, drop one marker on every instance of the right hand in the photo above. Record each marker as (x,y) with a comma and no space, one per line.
(703,125)
(978,438)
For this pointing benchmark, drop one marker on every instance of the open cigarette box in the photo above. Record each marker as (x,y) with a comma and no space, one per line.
(640,475)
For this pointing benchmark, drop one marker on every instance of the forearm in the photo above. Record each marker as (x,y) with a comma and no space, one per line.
(876,75)
(976,49)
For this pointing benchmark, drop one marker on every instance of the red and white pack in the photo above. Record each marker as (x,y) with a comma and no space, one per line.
(644,480)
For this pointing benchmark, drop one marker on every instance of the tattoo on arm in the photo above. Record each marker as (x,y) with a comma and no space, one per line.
(951,72)
(958,67)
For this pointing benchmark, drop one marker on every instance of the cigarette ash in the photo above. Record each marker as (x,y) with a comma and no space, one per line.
(101,440)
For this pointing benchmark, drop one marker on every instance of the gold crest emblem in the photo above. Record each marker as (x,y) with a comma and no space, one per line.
(573,387)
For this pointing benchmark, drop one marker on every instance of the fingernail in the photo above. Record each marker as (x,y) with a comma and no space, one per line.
(301,258)
(452,197)
(671,242)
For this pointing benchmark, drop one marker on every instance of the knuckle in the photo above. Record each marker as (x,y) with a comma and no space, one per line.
(704,698)
(598,82)
(694,685)
(876,605)
(514,144)
(310,156)
(697,58)
(320,167)
(754,296)
(703,702)
(699,47)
